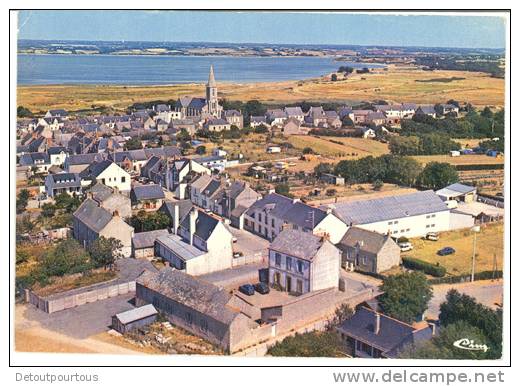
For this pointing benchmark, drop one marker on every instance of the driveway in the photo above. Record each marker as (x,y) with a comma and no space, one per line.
(234,277)
(79,322)
(248,243)
(486,292)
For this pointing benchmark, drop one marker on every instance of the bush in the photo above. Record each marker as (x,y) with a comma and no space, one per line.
(424,266)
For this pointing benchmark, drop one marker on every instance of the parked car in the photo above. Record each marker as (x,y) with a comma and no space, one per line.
(406,246)
(247,289)
(445,251)
(262,288)
(432,236)
(238,254)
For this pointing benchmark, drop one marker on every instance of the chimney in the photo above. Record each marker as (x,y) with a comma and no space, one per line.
(193,218)
(432,327)
(175,218)
(377,325)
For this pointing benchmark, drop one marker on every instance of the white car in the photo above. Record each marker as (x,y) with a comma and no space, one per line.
(405,246)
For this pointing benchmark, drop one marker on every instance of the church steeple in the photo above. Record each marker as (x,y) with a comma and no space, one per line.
(211,95)
(211,79)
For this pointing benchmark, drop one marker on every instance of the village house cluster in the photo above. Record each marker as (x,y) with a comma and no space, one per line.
(304,252)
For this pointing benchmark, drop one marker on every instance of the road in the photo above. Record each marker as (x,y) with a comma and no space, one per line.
(486,292)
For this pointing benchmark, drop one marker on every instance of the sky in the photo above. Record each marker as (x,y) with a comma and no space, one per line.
(266,27)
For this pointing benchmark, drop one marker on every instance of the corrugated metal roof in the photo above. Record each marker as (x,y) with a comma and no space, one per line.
(136,314)
(181,248)
(389,208)
(456,188)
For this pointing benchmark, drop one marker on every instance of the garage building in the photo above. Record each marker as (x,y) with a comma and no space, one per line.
(135,318)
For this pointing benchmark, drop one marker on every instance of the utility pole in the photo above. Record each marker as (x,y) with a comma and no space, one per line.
(475,229)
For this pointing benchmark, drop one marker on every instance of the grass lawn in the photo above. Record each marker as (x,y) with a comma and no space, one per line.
(490,241)
(339,146)
(469,159)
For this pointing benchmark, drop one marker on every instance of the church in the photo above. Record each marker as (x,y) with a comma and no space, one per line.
(203,108)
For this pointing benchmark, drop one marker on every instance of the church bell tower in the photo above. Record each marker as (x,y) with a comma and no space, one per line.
(211,95)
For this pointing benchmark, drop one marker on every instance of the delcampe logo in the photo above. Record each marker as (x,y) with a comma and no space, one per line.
(469,344)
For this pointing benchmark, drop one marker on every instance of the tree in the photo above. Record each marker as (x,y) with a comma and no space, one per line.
(67,257)
(441,346)
(200,150)
(486,113)
(459,307)
(307,150)
(67,203)
(149,221)
(183,135)
(405,295)
(377,185)
(48,210)
(347,122)
(22,256)
(405,145)
(342,313)
(21,200)
(309,344)
(331,192)
(23,112)
(437,175)
(133,144)
(283,189)
(105,251)
(323,168)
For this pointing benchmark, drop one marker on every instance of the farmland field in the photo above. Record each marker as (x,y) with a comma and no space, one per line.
(489,242)
(398,83)
(469,159)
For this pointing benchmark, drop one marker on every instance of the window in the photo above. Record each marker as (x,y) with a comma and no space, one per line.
(433,215)
(203,325)
(408,229)
(277,259)
(428,216)
(260,217)
(123,179)
(428,225)
(265,219)
(395,222)
(189,318)
(253,215)
(390,223)
(402,230)
(272,222)
(288,263)
(103,181)
(433,225)
(300,266)
(394,232)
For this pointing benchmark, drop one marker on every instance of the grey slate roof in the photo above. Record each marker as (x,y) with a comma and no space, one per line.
(31,158)
(460,188)
(56,150)
(180,247)
(147,239)
(93,216)
(197,294)
(294,111)
(101,192)
(96,168)
(147,192)
(389,208)
(136,314)
(83,159)
(368,241)
(204,224)
(303,245)
(184,208)
(392,335)
(65,180)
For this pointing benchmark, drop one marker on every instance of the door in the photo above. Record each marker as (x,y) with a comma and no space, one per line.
(288,283)
(299,286)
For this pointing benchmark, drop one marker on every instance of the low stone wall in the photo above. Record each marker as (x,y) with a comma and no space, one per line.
(87,295)
(249,259)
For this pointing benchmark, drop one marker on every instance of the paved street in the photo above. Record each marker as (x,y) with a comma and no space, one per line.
(486,292)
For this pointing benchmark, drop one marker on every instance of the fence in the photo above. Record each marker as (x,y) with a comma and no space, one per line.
(484,275)
(75,298)
(249,259)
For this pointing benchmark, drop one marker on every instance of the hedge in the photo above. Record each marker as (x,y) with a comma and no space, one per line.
(421,265)
(484,275)
(479,167)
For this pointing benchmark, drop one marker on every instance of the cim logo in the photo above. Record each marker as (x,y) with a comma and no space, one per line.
(469,344)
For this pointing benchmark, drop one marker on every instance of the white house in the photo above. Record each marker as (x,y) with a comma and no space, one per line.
(69,183)
(203,245)
(109,174)
(269,216)
(301,262)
